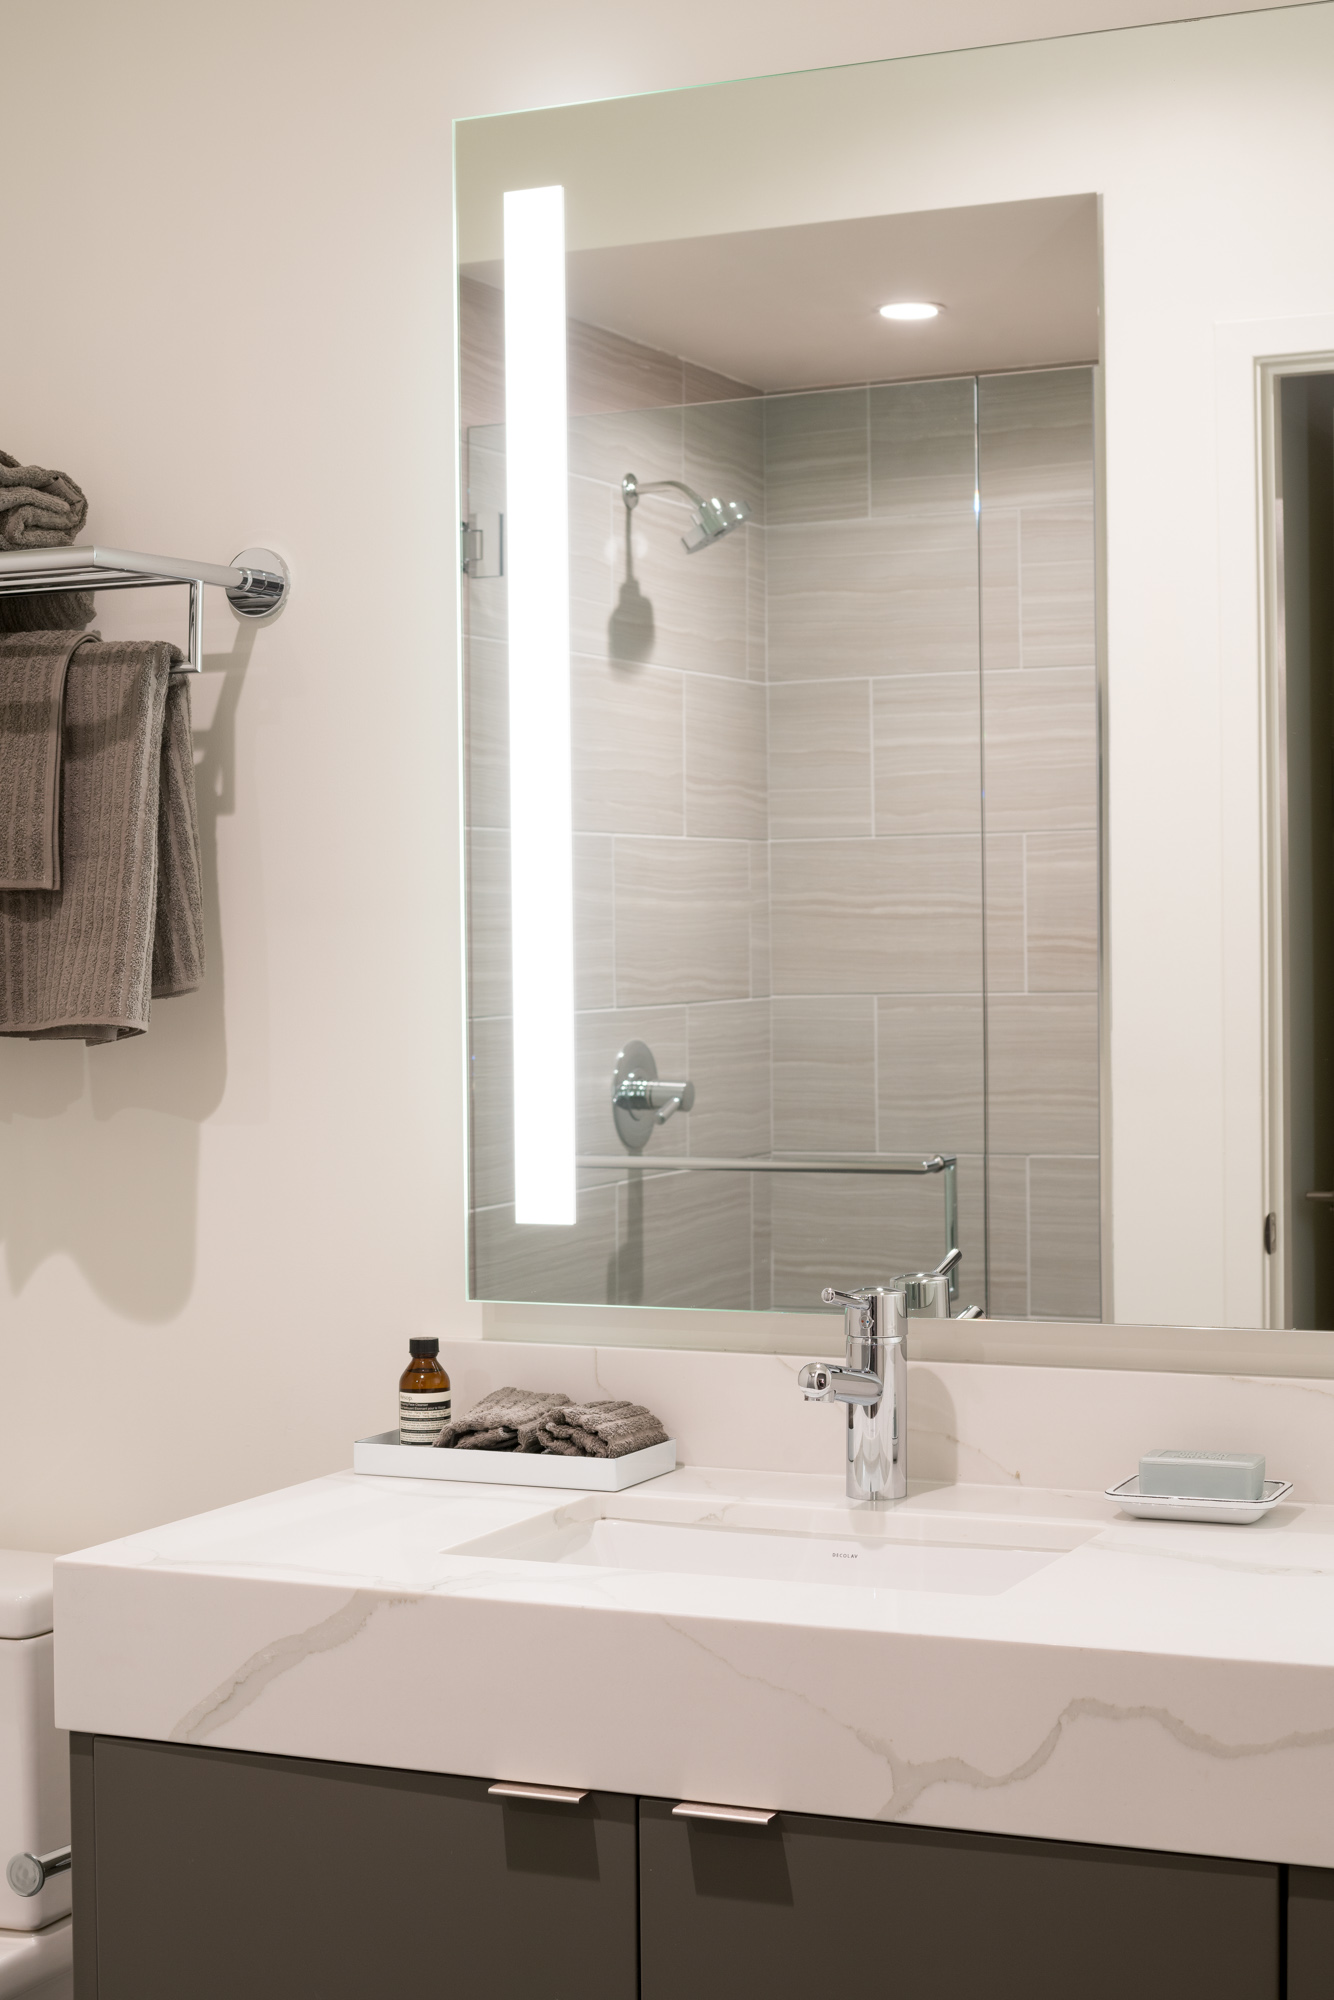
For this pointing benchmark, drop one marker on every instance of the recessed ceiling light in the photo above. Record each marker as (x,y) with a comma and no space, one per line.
(909,309)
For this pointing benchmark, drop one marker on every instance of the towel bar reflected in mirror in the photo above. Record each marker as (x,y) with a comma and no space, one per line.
(257,583)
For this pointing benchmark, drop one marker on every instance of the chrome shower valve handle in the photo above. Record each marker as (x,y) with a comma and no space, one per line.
(641,1099)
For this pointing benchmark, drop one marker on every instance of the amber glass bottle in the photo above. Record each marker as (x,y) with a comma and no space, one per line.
(423,1395)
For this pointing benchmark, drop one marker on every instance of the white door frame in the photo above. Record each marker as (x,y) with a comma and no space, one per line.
(1252,359)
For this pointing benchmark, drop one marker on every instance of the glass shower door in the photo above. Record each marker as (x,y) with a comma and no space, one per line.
(778,867)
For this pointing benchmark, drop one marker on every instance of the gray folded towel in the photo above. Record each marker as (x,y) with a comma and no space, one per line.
(41,510)
(82,962)
(32,723)
(506,1420)
(600,1430)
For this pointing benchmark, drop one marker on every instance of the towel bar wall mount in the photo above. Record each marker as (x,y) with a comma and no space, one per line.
(257,583)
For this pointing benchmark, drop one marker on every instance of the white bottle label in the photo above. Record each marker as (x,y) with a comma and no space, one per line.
(422,1418)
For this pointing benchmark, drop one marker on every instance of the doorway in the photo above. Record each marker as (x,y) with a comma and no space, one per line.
(1306,544)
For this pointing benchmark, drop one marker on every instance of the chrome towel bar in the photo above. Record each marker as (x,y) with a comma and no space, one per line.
(257,583)
(686,1163)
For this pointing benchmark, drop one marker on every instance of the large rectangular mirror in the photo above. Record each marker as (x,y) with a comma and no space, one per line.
(859,858)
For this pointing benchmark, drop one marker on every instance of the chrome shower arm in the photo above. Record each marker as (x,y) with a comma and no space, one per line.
(631,489)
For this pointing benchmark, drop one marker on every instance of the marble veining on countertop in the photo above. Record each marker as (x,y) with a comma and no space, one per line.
(1264,1592)
(1138,1683)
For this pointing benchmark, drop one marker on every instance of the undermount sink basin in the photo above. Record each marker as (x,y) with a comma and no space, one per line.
(593,1536)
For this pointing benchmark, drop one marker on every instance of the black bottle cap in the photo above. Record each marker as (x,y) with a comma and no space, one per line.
(428,1348)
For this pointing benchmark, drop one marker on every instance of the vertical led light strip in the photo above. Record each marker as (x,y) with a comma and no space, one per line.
(537,563)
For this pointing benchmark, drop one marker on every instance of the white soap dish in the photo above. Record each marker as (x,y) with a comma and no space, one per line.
(1178,1507)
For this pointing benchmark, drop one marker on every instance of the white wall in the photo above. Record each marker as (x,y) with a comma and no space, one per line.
(225,242)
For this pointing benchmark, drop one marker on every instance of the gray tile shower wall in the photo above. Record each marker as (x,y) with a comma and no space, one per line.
(780,839)
(876,735)
(671,820)
(875,823)
(1040,735)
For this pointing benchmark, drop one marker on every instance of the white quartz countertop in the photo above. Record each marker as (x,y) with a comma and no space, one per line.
(1139,1683)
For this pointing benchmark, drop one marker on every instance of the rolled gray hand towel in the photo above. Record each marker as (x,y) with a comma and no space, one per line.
(38,509)
(600,1430)
(503,1421)
(41,510)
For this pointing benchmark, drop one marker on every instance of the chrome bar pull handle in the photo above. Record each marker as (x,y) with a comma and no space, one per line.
(737,1815)
(555,1795)
(28,1874)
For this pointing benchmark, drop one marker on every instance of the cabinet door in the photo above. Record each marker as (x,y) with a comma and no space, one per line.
(225,1876)
(1310,1933)
(810,1906)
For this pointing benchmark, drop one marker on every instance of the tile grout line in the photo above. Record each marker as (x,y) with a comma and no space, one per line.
(982,842)
(875,1069)
(1025,907)
(1029,1235)
(770,1275)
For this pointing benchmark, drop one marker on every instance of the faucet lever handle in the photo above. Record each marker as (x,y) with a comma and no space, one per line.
(947,1262)
(832,1297)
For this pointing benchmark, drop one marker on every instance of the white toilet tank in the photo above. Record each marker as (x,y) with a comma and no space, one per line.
(35,1943)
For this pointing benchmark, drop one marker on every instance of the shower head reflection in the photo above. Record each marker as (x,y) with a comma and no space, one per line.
(713,518)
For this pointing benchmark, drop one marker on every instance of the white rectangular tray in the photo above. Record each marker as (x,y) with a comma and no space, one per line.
(1179,1507)
(386,1457)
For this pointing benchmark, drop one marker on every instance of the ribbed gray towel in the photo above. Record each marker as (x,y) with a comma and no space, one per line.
(41,510)
(82,962)
(506,1420)
(32,724)
(178,917)
(601,1430)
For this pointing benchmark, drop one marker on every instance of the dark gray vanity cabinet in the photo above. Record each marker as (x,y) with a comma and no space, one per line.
(808,1906)
(219,1875)
(216,1875)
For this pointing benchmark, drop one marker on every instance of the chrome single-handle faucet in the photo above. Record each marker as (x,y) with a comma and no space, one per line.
(873,1380)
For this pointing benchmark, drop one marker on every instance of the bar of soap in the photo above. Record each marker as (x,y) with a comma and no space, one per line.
(1203,1475)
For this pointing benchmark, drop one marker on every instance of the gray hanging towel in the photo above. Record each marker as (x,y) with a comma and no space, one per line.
(81,962)
(32,723)
(178,922)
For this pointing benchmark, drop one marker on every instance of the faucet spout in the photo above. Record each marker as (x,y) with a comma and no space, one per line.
(820,1383)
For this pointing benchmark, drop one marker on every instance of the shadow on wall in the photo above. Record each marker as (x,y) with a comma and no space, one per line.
(101,1159)
(630,629)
